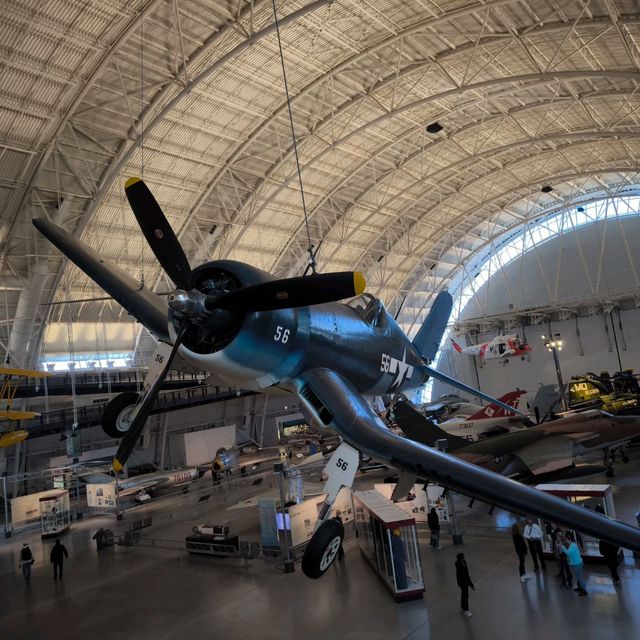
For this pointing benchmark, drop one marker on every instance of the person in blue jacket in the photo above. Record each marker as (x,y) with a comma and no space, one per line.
(574,559)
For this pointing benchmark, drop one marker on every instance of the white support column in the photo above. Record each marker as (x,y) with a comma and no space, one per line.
(27,311)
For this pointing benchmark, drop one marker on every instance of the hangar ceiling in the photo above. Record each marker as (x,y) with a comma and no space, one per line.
(528,94)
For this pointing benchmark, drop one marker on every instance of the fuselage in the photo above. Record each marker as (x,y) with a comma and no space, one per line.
(499,347)
(478,429)
(163,480)
(589,431)
(359,340)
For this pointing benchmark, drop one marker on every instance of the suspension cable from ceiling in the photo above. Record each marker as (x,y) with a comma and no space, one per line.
(312,255)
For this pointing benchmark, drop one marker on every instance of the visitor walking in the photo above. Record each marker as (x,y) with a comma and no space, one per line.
(26,560)
(521,550)
(464,582)
(434,526)
(610,553)
(533,536)
(58,554)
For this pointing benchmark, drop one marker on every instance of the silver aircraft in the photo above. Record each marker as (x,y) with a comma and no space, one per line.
(258,332)
(155,481)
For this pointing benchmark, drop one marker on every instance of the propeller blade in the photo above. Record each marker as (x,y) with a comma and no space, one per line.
(158,232)
(290,293)
(131,437)
(470,390)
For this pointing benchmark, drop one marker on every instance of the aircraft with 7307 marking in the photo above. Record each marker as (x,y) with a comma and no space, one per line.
(258,332)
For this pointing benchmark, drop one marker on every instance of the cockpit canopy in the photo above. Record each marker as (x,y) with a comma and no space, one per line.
(371,310)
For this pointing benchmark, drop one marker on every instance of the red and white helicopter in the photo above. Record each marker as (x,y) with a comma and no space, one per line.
(501,347)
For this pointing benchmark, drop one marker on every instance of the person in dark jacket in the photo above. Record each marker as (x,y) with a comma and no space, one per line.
(609,552)
(434,526)
(26,560)
(464,582)
(521,549)
(58,554)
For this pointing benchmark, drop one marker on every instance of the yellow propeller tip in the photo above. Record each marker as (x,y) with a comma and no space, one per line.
(116,465)
(359,283)
(131,181)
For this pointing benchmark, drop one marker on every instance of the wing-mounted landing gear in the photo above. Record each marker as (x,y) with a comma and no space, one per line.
(123,408)
(326,542)
(118,414)
(609,457)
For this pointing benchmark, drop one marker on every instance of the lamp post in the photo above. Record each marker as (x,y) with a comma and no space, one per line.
(554,344)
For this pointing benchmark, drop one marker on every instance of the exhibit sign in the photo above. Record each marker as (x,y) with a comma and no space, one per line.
(27,508)
(304,516)
(102,495)
(268,524)
(201,447)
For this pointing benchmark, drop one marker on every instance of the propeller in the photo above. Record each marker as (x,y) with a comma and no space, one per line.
(158,232)
(215,313)
(131,437)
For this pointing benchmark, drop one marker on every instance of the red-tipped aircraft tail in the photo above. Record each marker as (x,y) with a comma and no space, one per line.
(494,411)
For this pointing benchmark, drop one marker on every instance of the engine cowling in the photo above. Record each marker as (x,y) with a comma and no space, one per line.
(225,459)
(214,330)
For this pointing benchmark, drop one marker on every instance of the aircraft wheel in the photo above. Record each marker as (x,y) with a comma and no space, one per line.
(610,472)
(322,549)
(117,414)
(625,459)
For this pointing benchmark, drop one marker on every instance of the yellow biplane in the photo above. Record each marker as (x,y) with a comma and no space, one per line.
(8,388)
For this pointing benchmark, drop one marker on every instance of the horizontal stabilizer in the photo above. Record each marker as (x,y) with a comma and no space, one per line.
(428,338)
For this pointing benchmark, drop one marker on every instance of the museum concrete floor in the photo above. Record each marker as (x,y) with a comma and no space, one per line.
(161,594)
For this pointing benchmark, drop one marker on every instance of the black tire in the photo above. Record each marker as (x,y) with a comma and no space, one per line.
(322,549)
(610,472)
(111,418)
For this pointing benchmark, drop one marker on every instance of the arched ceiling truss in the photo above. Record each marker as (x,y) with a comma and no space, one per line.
(528,94)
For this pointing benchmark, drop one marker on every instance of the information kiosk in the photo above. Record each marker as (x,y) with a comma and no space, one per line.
(388,542)
(55,514)
(598,497)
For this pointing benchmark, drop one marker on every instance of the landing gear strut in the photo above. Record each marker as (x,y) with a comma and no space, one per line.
(326,541)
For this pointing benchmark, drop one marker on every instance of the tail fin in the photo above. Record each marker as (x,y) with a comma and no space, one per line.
(428,338)
(421,429)
(494,411)
(456,346)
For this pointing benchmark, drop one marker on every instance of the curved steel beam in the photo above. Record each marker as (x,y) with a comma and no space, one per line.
(432,148)
(131,27)
(357,99)
(428,180)
(452,272)
(458,91)
(526,190)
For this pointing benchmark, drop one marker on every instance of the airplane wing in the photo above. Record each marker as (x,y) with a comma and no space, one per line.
(549,454)
(24,373)
(144,305)
(334,402)
(141,486)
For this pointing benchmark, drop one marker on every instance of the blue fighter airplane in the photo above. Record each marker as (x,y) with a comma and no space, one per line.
(257,332)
